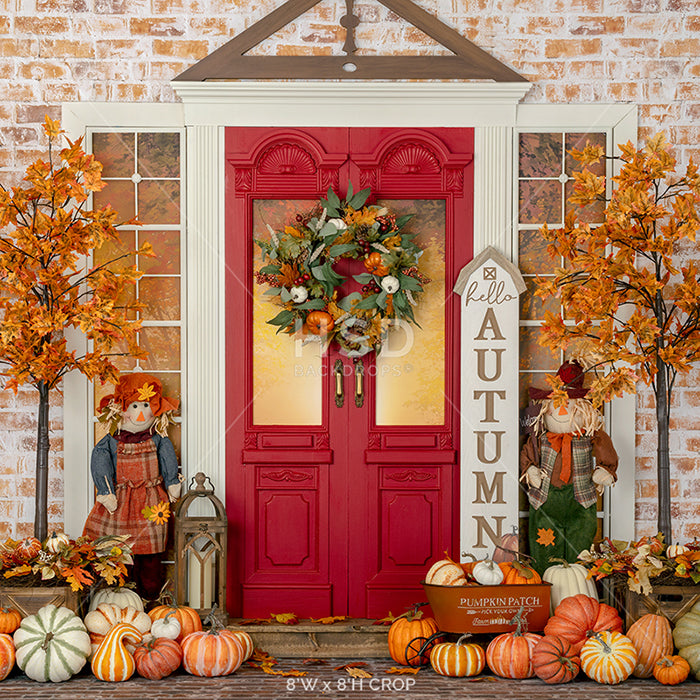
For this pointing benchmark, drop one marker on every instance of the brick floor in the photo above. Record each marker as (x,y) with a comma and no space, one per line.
(323,681)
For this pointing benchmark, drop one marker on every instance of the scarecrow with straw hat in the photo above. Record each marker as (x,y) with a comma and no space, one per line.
(566,462)
(135,470)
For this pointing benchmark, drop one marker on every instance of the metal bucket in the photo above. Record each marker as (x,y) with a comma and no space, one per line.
(485,609)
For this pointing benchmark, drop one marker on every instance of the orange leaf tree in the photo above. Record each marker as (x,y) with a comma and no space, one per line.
(633,313)
(47,232)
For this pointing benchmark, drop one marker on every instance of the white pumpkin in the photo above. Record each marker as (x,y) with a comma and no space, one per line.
(51,645)
(123,597)
(55,541)
(168,627)
(299,294)
(676,550)
(445,573)
(567,580)
(487,573)
(390,284)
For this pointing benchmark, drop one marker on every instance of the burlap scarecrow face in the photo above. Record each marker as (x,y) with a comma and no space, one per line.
(138,416)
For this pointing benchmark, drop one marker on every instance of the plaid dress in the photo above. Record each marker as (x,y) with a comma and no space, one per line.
(138,484)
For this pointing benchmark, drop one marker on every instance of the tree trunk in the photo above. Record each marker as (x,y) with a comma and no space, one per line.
(42,465)
(663,465)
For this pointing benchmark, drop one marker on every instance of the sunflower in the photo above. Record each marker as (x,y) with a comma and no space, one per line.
(157,514)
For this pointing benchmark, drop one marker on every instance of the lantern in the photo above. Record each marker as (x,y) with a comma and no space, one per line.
(200,549)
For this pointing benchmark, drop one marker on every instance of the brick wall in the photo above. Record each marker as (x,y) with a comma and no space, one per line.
(643,51)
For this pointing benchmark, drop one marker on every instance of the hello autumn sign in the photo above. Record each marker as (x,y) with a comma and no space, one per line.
(489,286)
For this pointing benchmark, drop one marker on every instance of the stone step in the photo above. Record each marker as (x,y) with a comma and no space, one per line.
(349,639)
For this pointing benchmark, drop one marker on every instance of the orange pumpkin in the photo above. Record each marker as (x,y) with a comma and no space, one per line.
(375,265)
(671,670)
(214,653)
(246,642)
(27,549)
(510,655)
(157,658)
(555,661)
(458,659)
(319,323)
(404,630)
(10,620)
(579,616)
(187,617)
(517,573)
(652,638)
(7,655)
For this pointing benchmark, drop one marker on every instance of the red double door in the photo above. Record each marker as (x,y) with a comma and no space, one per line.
(342,476)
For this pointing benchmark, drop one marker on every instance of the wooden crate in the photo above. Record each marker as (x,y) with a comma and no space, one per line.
(28,600)
(671,601)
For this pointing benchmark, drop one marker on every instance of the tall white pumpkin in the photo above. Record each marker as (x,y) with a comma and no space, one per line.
(51,645)
(567,580)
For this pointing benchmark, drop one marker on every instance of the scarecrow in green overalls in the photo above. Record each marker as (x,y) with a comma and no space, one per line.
(566,462)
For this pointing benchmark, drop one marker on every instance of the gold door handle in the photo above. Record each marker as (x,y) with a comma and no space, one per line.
(339,390)
(359,383)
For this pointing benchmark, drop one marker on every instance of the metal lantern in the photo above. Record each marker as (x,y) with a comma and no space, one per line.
(200,549)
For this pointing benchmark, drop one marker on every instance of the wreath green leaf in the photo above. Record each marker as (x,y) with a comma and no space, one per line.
(299,270)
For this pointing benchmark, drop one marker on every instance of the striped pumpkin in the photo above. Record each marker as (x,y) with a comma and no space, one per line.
(608,657)
(246,642)
(214,653)
(112,661)
(51,645)
(7,655)
(445,572)
(458,659)
(107,615)
(652,638)
(510,655)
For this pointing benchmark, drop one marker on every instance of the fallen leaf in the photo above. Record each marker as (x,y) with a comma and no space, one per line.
(388,620)
(352,664)
(401,670)
(358,673)
(314,662)
(329,620)
(276,672)
(255,621)
(285,618)
(261,657)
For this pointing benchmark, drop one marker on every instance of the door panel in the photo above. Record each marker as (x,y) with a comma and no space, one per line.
(339,510)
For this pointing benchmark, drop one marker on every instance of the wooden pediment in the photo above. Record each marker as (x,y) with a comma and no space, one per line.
(467,62)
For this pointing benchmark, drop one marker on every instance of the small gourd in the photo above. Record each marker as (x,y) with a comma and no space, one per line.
(671,670)
(676,550)
(458,659)
(487,573)
(167,627)
(10,620)
(112,660)
(55,541)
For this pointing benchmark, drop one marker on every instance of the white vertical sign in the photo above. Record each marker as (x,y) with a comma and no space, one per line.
(490,286)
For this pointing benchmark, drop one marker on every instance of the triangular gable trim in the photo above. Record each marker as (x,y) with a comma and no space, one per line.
(469,62)
(489,253)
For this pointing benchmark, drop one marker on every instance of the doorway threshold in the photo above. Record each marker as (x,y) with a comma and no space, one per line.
(354,638)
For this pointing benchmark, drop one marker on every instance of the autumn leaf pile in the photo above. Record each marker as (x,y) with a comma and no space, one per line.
(47,232)
(78,563)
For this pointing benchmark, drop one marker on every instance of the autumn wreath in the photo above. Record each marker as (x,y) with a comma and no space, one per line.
(300,272)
